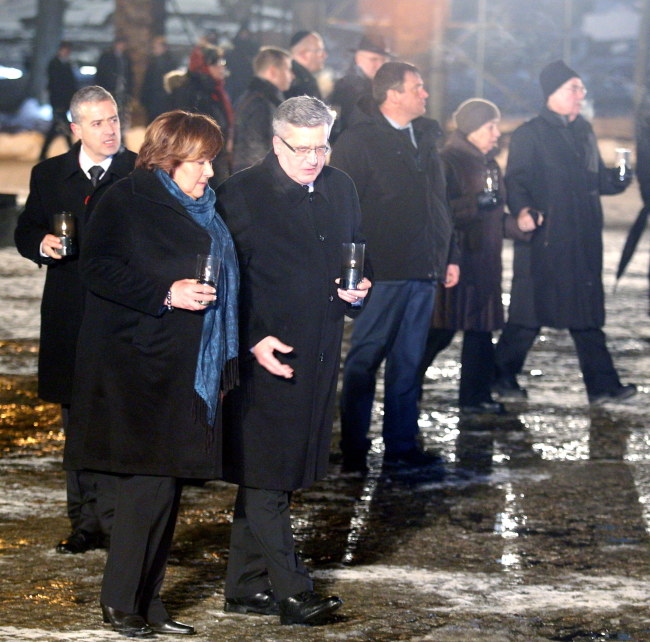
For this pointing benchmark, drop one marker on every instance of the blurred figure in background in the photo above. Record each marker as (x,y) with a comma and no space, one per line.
(254,110)
(554,167)
(369,56)
(240,61)
(477,196)
(308,58)
(115,74)
(203,92)
(153,96)
(61,85)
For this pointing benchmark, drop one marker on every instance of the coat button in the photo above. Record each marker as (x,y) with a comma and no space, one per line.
(331,297)
(321,356)
(321,237)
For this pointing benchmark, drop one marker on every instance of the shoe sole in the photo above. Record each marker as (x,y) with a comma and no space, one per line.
(245,610)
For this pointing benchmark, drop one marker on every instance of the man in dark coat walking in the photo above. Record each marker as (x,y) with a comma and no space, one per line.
(369,56)
(554,166)
(72,182)
(308,58)
(391,155)
(61,85)
(254,110)
(289,215)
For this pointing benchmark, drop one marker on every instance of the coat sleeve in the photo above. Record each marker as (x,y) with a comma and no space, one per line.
(349,156)
(521,171)
(105,258)
(33,223)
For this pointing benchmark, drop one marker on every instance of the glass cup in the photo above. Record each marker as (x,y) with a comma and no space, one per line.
(352,256)
(207,271)
(623,162)
(64,226)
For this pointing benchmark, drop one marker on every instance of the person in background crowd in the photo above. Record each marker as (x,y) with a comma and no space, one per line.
(390,153)
(554,167)
(288,216)
(254,110)
(308,58)
(369,56)
(153,96)
(203,92)
(61,85)
(477,196)
(643,154)
(73,182)
(240,61)
(157,350)
(115,74)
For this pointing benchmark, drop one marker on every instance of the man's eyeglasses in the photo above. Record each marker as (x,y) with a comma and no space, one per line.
(303,152)
(577,89)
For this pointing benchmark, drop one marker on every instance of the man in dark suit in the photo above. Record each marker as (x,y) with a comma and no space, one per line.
(61,85)
(289,215)
(308,55)
(72,182)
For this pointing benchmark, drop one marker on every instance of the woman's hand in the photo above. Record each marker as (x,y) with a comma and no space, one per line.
(189,294)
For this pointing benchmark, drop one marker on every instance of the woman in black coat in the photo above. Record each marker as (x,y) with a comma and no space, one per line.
(156,350)
(476,193)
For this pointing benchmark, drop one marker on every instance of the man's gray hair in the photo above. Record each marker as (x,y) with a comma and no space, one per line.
(301,111)
(91,94)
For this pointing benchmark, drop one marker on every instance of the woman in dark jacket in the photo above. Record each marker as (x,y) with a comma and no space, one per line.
(156,351)
(477,197)
(201,90)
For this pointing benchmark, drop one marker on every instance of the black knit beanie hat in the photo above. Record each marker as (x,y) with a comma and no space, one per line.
(554,75)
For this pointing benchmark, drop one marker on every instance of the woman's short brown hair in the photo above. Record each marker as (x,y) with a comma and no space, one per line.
(178,136)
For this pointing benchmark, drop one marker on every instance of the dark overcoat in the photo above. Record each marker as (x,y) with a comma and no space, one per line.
(475,303)
(556,167)
(304,82)
(406,217)
(59,184)
(254,122)
(134,409)
(277,431)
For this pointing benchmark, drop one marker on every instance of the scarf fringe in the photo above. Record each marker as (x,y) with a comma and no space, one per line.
(230,375)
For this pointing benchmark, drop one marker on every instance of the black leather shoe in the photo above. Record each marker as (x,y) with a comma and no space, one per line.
(484,408)
(414,458)
(619,394)
(307,608)
(508,389)
(78,542)
(131,625)
(354,463)
(172,627)
(263,603)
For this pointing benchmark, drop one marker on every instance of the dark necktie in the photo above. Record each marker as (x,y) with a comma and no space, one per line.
(95,172)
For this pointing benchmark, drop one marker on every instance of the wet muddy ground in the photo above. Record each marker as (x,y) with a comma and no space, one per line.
(537,529)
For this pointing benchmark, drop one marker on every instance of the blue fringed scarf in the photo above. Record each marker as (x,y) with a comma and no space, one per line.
(219,342)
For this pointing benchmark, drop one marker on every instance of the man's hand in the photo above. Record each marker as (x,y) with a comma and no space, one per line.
(264,353)
(49,246)
(354,296)
(452,276)
(528,219)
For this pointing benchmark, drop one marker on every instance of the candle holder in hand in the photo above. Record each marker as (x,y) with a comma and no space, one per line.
(207,271)
(352,257)
(64,226)
(489,197)
(623,164)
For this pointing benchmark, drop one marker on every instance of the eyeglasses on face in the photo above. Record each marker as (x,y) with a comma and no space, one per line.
(303,152)
(577,89)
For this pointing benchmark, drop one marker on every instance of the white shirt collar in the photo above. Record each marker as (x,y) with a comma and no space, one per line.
(85,162)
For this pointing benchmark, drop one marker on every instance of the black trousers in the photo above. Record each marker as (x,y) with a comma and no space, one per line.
(262,552)
(598,371)
(143,528)
(477,362)
(90,496)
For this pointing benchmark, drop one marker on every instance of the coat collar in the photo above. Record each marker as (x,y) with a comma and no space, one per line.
(119,167)
(459,141)
(288,188)
(147,185)
(267,89)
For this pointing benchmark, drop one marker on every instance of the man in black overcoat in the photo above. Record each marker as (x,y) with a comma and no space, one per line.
(288,215)
(554,166)
(72,182)
(255,107)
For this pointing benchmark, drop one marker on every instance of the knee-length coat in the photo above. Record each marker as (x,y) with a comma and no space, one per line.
(556,167)
(134,409)
(277,431)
